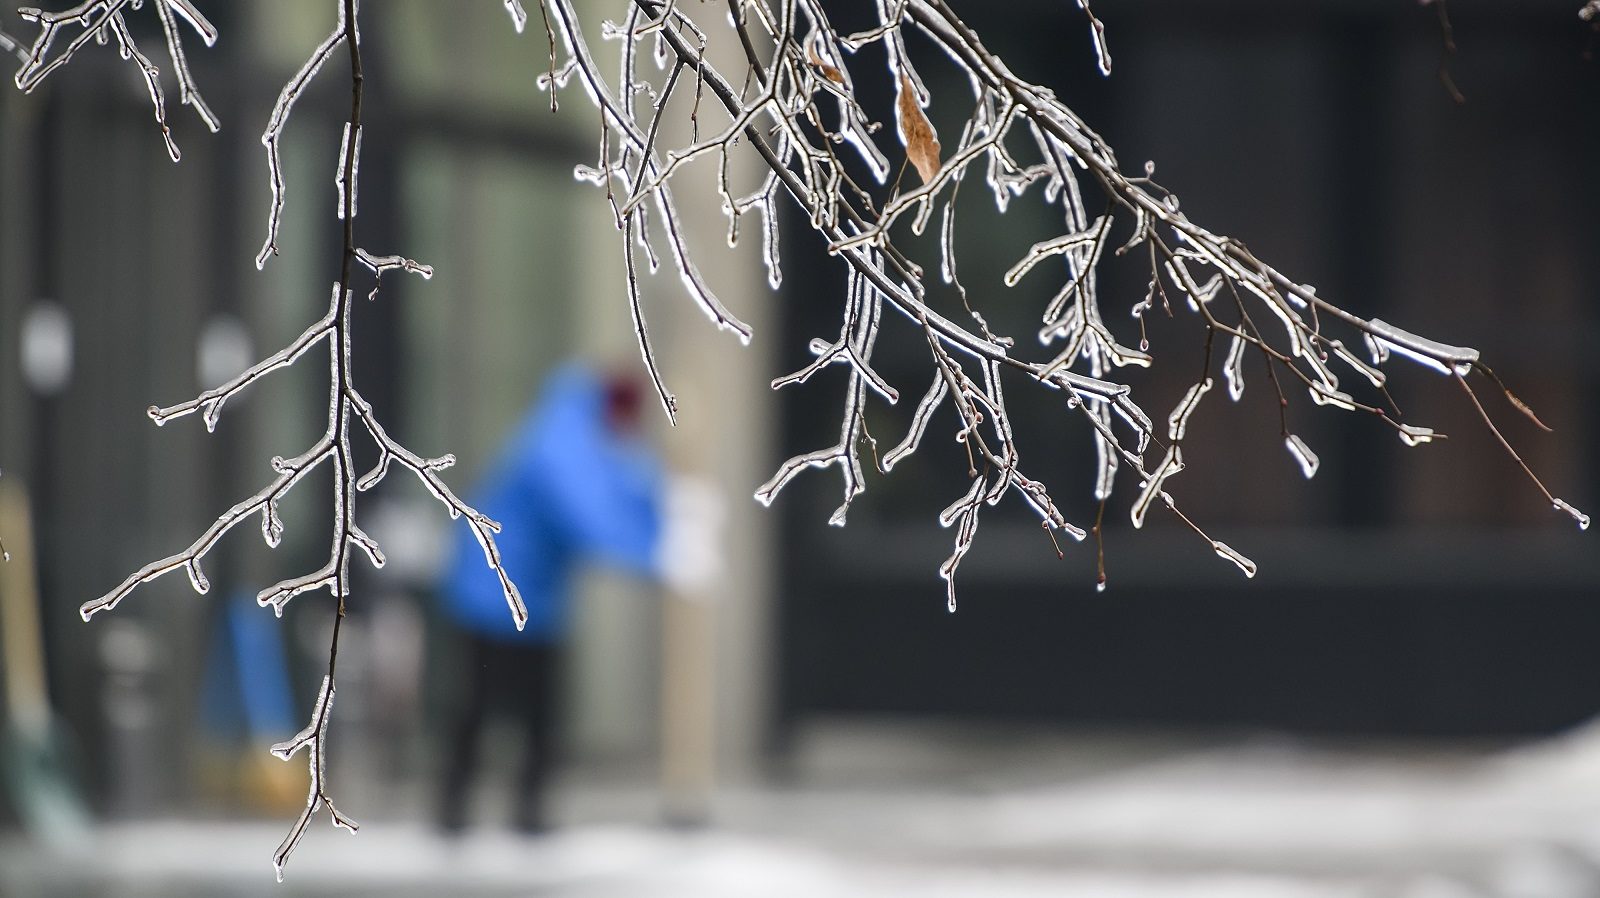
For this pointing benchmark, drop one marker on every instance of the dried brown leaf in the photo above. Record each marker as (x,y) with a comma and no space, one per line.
(828,71)
(1514,399)
(916,132)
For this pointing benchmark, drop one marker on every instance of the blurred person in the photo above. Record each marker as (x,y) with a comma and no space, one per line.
(576,484)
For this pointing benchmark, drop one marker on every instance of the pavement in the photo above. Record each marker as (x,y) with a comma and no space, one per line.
(942,811)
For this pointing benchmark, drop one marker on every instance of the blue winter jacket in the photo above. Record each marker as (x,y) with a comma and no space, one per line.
(567,489)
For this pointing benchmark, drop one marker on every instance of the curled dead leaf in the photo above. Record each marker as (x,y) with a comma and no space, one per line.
(916,132)
(829,72)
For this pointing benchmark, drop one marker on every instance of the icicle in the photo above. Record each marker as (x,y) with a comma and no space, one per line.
(769,243)
(271,524)
(1302,454)
(197,577)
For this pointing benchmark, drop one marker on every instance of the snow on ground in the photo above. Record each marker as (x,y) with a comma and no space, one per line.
(1240,819)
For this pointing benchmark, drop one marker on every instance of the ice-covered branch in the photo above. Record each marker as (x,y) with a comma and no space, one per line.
(346,410)
(101,20)
(792,101)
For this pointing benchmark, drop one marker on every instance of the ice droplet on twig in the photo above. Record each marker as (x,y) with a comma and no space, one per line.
(271,524)
(1580,517)
(1412,435)
(1302,454)
(197,577)
(1228,552)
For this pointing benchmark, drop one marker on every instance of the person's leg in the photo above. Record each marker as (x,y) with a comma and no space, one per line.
(541,717)
(461,752)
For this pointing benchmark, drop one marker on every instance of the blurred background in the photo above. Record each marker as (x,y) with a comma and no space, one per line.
(1397,705)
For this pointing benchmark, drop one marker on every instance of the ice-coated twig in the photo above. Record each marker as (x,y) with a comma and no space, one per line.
(210,402)
(290,472)
(280,117)
(188,94)
(314,741)
(101,20)
(1097,29)
(519,17)
(1557,504)
(1302,455)
(380,264)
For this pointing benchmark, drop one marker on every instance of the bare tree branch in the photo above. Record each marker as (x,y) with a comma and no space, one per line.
(103,19)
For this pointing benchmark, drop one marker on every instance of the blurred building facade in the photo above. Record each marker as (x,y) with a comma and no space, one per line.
(1417,591)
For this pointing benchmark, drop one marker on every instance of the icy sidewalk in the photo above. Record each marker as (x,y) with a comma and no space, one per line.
(904,814)
(189,859)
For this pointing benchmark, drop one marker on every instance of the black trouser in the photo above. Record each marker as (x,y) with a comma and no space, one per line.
(521,679)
